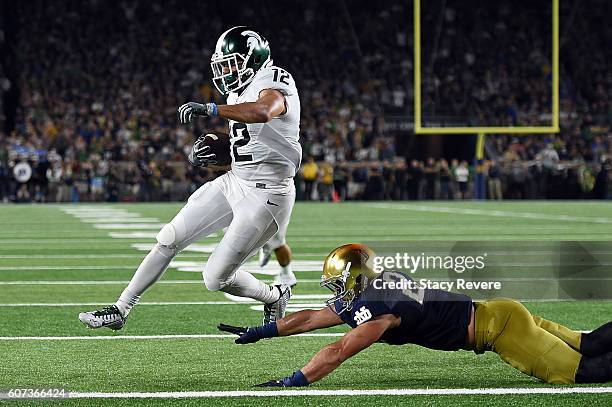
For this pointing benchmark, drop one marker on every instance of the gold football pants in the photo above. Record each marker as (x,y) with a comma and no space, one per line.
(531,344)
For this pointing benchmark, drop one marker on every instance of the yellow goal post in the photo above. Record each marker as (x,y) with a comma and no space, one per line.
(481,131)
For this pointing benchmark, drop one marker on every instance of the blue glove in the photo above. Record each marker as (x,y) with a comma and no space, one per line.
(297,379)
(250,335)
(191,109)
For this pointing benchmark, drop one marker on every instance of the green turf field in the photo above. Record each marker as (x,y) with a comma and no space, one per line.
(58,260)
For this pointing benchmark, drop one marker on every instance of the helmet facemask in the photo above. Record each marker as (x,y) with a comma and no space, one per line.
(337,285)
(230,72)
(346,297)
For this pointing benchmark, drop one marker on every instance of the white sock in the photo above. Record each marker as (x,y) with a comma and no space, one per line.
(150,270)
(246,285)
(286,269)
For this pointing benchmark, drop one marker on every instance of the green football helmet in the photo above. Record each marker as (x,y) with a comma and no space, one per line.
(347,271)
(240,52)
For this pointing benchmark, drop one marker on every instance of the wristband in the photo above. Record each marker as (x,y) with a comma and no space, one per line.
(297,379)
(212,110)
(267,331)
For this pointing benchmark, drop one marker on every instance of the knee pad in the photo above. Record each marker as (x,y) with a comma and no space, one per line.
(212,284)
(166,251)
(167,236)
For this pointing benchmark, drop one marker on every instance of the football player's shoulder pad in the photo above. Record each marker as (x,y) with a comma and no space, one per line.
(274,77)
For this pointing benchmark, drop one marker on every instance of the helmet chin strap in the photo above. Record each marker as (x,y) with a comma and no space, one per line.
(243,86)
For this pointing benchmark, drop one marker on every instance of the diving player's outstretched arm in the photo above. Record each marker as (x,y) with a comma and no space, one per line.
(270,104)
(296,323)
(332,355)
(306,321)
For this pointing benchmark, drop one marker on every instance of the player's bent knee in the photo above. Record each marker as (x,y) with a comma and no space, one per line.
(167,235)
(167,242)
(211,283)
(166,251)
(214,281)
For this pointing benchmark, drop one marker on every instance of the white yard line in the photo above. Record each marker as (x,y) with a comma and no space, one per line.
(293,297)
(185,254)
(292,307)
(154,303)
(105,215)
(253,267)
(349,392)
(250,302)
(34,268)
(114,282)
(128,226)
(51,242)
(93,282)
(133,235)
(70,256)
(117,219)
(145,337)
(87,256)
(494,213)
(195,247)
(121,220)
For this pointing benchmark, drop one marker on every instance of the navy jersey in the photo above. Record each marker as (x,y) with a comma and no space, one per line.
(435,319)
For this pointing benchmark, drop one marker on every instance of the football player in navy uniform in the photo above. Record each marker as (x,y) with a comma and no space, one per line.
(435,319)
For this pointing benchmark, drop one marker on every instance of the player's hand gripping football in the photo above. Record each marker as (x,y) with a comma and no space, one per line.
(200,154)
(191,109)
(245,335)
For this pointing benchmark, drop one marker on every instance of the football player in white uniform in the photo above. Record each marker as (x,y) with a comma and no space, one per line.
(253,200)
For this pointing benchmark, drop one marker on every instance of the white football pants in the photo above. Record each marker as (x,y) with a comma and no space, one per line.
(252,216)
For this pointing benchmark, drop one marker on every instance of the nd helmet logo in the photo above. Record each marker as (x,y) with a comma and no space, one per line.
(362,315)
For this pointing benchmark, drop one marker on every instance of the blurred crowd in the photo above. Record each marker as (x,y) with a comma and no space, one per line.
(544,177)
(99,84)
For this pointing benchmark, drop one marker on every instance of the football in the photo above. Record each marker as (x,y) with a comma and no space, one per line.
(220,145)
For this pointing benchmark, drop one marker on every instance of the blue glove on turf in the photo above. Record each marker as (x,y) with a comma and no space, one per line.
(297,379)
(250,335)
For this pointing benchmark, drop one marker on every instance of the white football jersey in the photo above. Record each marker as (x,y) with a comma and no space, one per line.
(267,155)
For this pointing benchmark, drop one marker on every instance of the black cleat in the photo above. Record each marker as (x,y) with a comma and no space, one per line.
(108,317)
(275,311)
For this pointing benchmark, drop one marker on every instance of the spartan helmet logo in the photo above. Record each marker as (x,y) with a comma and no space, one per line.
(254,40)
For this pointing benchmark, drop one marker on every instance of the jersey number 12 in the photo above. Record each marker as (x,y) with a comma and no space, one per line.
(241,133)
(280,75)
